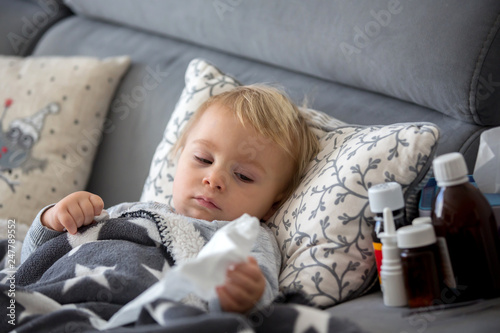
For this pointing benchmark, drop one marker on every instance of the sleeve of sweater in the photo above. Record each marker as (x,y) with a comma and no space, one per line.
(37,235)
(268,255)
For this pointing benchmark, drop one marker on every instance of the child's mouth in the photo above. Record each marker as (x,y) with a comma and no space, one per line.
(206,202)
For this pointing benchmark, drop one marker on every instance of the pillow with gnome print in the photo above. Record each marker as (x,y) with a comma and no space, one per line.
(53,111)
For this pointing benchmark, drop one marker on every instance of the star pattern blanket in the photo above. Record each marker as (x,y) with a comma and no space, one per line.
(75,283)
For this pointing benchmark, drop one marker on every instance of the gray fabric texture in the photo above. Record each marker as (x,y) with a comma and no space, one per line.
(371,314)
(146,97)
(23,22)
(441,55)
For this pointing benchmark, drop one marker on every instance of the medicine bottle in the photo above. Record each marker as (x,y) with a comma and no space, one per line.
(421,265)
(380,196)
(462,216)
(391,271)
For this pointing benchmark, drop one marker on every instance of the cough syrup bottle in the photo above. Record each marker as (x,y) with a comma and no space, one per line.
(380,196)
(463,218)
(421,263)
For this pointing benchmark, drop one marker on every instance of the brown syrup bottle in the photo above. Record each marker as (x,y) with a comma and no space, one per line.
(463,218)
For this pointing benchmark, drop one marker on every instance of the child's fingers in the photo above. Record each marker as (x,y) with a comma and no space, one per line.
(97,203)
(228,302)
(76,212)
(237,293)
(243,281)
(63,219)
(88,212)
(252,260)
(250,269)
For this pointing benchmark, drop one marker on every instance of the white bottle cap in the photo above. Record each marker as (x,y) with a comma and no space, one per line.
(450,169)
(384,195)
(422,220)
(413,236)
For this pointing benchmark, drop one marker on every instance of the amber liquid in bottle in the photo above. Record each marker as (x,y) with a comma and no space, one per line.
(463,216)
(423,278)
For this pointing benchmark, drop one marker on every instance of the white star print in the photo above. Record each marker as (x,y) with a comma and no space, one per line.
(35,303)
(82,272)
(309,318)
(150,227)
(90,235)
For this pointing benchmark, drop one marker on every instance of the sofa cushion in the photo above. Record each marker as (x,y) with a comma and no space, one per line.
(397,48)
(324,229)
(53,112)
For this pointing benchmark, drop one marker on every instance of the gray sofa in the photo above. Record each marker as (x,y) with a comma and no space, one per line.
(363,62)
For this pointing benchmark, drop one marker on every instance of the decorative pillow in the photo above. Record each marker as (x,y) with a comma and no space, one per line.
(324,229)
(52,114)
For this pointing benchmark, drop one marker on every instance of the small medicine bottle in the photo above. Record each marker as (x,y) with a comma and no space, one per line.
(420,261)
(380,196)
(464,220)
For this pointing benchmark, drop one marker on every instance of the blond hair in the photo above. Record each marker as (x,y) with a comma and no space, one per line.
(273,115)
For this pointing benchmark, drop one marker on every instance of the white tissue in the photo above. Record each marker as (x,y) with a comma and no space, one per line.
(487,170)
(230,245)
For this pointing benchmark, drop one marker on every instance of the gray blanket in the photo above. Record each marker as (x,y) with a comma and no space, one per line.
(74,284)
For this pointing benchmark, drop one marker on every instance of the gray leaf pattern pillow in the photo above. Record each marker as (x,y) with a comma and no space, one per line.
(324,229)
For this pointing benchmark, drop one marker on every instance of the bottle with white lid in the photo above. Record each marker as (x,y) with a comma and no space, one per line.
(421,264)
(446,268)
(380,196)
(462,216)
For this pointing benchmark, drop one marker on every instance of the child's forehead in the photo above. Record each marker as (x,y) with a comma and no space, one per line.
(217,112)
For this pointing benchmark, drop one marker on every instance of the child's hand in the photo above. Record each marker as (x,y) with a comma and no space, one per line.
(73,211)
(244,287)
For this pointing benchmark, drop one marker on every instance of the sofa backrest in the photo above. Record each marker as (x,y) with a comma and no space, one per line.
(24,23)
(441,55)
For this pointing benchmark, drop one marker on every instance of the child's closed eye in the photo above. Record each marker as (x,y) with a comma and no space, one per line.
(202,160)
(243,178)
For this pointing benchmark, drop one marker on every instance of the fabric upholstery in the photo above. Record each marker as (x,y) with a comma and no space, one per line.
(348,42)
(139,114)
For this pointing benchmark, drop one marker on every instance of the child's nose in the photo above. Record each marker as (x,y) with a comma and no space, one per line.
(216,180)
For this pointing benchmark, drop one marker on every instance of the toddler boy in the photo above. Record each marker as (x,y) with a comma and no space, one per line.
(243,151)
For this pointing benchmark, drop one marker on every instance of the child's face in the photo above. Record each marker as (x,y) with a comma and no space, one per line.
(226,170)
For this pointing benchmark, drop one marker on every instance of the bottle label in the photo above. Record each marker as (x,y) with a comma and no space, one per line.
(377,249)
(447,269)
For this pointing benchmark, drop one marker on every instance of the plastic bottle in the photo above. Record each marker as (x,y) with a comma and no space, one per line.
(444,256)
(462,216)
(421,263)
(380,196)
(391,272)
